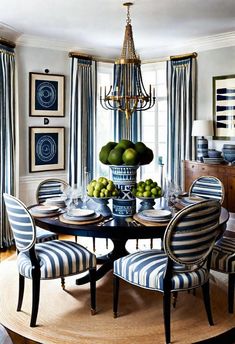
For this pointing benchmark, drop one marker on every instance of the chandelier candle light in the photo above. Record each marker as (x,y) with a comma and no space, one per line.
(128,93)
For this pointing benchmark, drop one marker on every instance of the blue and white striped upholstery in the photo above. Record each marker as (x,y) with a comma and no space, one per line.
(50,188)
(208,187)
(57,258)
(188,240)
(147,268)
(43,235)
(223,255)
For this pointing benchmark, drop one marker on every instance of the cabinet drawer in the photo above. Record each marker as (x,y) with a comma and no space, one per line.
(210,170)
(191,167)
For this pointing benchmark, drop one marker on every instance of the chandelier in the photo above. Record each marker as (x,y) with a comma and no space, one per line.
(128,93)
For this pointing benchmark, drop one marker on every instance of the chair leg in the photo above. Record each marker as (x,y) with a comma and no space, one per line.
(35,298)
(76,238)
(167,315)
(115,295)
(63,283)
(92,273)
(175,296)
(207,303)
(21,292)
(231,285)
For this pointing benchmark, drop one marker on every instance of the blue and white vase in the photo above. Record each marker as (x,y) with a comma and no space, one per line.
(124,178)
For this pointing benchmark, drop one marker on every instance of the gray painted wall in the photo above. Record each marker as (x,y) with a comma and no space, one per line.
(212,63)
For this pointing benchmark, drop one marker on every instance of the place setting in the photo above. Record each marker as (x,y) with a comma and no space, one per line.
(80,216)
(152,217)
(45,210)
(186,201)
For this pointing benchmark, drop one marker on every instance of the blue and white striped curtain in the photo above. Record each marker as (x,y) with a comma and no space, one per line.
(119,117)
(7,137)
(82,126)
(181,102)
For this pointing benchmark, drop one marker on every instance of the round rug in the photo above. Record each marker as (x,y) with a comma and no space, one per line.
(64,316)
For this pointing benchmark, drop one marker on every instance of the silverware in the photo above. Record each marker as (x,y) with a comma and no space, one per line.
(105,221)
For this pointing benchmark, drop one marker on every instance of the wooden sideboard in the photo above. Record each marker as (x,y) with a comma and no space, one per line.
(226,173)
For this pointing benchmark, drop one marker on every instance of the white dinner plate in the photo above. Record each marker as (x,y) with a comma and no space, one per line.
(45,209)
(81,213)
(81,218)
(192,199)
(156,213)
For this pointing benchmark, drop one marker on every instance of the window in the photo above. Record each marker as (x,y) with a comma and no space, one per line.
(154,120)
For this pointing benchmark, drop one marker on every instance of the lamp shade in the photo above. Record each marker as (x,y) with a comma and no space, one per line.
(202,127)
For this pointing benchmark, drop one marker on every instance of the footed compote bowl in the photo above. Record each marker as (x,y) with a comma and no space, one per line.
(102,205)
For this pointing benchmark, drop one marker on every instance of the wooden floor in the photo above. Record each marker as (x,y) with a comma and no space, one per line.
(17,339)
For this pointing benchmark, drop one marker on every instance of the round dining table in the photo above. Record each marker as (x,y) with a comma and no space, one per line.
(118,229)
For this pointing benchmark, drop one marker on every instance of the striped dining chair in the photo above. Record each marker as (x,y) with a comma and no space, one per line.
(183,265)
(44,261)
(223,260)
(48,188)
(208,187)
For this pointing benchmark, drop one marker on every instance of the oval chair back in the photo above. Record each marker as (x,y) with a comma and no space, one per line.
(22,224)
(50,188)
(208,187)
(190,235)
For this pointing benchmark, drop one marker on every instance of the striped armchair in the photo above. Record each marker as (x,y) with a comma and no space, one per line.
(184,264)
(208,187)
(223,260)
(48,188)
(49,260)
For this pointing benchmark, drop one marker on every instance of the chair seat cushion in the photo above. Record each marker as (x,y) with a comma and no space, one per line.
(223,255)
(58,258)
(44,235)
(146,269)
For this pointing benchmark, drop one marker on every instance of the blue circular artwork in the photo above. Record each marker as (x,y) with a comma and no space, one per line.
(46,148)
(46,94)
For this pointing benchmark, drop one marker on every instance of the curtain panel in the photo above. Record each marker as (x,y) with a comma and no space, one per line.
(82,119)
(181,90)
(119,116)
(7,137)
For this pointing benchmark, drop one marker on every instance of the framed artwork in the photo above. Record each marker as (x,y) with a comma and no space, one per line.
(46,149)
(224,107)
(46,94)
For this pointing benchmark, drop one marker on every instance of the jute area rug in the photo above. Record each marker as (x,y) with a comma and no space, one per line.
(64,316)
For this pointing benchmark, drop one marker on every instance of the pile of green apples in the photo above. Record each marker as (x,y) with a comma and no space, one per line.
(147,188)
(101,188)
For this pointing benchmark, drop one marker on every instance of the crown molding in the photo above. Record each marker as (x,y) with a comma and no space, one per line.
(196,44)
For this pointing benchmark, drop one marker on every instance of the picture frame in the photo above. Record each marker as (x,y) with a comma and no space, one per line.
(224,107)
(46,148)
(46,95)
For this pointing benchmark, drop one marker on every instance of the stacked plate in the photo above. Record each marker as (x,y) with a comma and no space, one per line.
(81,215)
(155,215)
(218,160)
(57,201)
(44,210)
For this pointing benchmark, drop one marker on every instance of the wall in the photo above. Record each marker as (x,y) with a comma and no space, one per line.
(212,63)
(30,59)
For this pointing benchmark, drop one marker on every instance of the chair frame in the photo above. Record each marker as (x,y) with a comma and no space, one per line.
(208,176)
(169,272)
(36,274)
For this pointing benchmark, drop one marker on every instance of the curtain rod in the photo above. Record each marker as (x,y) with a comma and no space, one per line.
(183,56)
(89,57)
(7,43)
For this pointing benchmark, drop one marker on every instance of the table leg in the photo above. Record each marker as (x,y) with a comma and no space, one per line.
(119,250)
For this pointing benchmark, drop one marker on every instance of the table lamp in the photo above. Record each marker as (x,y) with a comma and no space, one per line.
(200,129)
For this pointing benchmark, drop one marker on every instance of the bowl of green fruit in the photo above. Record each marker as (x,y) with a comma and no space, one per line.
(101,191)
(147,191)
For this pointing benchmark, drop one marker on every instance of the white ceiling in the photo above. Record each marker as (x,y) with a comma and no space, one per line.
(96,27)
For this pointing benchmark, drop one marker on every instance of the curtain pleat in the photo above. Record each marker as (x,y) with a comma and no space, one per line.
(181,87)
(82,107)
(7,140)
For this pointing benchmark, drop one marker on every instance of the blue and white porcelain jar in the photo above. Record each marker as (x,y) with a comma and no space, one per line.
(124,178)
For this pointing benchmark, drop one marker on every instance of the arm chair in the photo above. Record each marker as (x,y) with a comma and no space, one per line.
(208,187)
(48,260)
(48,188)
(223,260)
(184,264)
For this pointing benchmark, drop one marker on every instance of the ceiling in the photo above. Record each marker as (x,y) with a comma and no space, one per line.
(96,27)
